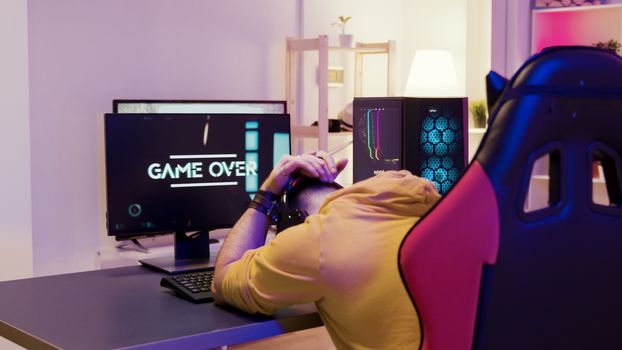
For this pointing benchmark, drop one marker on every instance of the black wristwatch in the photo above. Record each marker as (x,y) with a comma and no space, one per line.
(267,203)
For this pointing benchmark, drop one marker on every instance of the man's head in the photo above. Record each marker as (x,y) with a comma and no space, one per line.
(303,198)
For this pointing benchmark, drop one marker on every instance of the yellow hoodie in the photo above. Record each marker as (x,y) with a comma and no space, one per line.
(345,260)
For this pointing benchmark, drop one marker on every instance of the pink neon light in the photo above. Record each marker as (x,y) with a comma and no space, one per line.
(377,148)
(368,135)
(570,28)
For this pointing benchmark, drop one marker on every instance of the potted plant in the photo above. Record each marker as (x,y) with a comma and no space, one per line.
(345,40)
(478,113)
(611,45)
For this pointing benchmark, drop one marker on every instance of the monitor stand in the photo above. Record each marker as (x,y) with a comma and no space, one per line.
(133,244)
(192,253)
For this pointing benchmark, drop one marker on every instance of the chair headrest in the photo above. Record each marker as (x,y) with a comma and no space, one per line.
(560,69)
(565,99)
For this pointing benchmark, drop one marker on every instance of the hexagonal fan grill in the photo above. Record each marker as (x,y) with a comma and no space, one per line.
(440,138)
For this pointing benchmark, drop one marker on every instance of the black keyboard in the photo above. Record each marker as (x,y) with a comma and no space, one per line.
(195,286)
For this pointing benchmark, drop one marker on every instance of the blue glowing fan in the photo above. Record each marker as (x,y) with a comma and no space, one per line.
(440,135)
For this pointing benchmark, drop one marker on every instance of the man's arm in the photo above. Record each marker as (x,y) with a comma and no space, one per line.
(250,230)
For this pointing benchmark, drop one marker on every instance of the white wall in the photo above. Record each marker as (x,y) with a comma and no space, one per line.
(15,202)
(511,35)
(478,48)
(437,25)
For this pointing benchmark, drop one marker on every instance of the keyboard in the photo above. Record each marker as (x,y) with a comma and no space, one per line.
(194,286)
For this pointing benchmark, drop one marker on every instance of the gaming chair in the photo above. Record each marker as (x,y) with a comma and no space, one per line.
(484,273)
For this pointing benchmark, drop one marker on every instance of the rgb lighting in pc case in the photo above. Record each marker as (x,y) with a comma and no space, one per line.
(427,136)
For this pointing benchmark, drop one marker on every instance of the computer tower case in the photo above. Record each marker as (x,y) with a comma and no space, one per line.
(427,136)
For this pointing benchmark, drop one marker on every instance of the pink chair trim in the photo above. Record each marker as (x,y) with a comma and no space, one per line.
(441,260)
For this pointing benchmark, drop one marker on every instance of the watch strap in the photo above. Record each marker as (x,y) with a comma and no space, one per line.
(267,203)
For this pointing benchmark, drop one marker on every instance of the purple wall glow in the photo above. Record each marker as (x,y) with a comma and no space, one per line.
(15,203)
(83,54)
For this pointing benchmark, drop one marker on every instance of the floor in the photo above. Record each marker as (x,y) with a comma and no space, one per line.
(308,339)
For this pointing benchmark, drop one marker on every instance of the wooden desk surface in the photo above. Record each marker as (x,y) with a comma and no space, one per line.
(127,308)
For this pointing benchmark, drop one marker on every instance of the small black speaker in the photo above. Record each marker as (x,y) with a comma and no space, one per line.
(427,136)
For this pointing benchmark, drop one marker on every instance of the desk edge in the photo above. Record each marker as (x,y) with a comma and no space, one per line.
(236,335)
(23,338)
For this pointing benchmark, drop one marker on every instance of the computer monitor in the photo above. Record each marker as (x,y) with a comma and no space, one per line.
(186,174)
(198,106)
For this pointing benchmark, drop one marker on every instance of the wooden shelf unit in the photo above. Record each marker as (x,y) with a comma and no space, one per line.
(296,47)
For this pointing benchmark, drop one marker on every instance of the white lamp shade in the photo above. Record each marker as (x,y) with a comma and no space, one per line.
(432,74)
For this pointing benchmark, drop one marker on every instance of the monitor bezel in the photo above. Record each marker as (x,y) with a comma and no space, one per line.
(116,102)
(125,235)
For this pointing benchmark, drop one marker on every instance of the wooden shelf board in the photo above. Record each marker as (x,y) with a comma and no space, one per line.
(313,131)
(370,50)
(303,44)
(577,8)
(477,130)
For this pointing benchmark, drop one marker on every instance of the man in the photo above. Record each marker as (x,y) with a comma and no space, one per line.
(344,258)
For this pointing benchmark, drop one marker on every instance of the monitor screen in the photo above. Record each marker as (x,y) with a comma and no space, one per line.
(186,172)
(198,106)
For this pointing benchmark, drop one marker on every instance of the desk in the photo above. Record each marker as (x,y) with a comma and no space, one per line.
(126,308)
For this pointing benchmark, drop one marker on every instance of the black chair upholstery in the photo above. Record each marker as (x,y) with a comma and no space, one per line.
(557,282)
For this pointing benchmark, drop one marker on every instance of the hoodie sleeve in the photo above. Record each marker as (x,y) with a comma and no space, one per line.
(282,273)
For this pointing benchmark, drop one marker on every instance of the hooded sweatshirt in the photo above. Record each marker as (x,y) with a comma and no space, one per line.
(345,259)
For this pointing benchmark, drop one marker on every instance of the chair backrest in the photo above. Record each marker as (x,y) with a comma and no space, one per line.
(486,273)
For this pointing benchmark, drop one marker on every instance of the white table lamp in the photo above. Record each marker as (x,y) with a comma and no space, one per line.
(432,74)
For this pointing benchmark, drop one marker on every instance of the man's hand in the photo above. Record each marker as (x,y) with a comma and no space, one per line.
(319,165)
